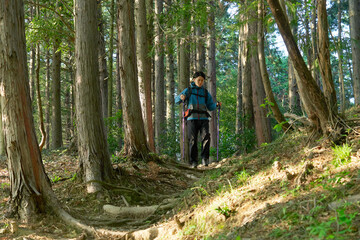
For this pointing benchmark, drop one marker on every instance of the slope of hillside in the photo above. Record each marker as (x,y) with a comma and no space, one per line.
(292,188)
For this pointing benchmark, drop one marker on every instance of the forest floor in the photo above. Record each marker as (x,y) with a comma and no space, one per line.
(292,188)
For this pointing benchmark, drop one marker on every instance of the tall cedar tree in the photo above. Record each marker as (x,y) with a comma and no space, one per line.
(354,13)
(135,144)
(95,165)
(144,64)
(159,77)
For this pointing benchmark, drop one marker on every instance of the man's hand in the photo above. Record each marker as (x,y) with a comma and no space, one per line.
(182,97)
(218,104)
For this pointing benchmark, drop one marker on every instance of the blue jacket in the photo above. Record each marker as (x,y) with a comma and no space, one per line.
(197,102)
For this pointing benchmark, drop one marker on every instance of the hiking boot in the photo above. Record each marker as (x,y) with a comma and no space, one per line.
(193,165)
(205,162)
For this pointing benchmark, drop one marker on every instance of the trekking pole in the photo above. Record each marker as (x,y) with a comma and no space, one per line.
(183,129)
(218,133)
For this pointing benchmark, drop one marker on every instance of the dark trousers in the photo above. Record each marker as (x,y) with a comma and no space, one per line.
(194,128)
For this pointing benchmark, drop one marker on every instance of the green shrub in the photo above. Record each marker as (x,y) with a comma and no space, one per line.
(341,155)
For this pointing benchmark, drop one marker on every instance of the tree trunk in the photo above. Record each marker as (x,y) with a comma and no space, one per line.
(184,76)
(2,139)
(26,172)
(354,13)
(212,71)
(307,47)
(56,128)
(200,33)
(30,190)
(111,64)
(310,92)
(144,64)
(340,64)
(170,89)
(32,72)
(118,94)
(238,124)
(135,144)
(262,123)
(94,158)
(263,70)
(294,98)
(103,73)
(170,79)
(159,78)
(248,114)
(48,99)
(39,102)
(315,66)
(324,57)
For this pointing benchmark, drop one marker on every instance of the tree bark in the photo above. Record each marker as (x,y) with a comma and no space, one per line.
(144,67)
(354,13)
(159,78)
(39,102)
(340,63)
(200,33)
(184,75)
(48,99)
(238,124)
(118,94)
(103,72)
(135,144)
(315,66)
(26,172)
(111,62)
(212,71)
(262,123)
(248,114)
(56,128)
(170,79)
(324,57)
(94,157)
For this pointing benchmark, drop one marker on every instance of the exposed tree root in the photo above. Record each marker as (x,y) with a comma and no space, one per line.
(136,212)
(150,233)
(302,119)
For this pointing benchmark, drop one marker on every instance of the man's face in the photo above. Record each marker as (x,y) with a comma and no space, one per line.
(199,81)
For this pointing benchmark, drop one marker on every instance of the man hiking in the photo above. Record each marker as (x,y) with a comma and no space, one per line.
(199,102)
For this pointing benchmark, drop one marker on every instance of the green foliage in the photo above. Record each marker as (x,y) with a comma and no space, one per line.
(278,127)
(225,211)
(171,138)
(216,173)
(341,155)
(326,229)
(74,177)
(242,177)
(55,179)
(115,132)
(267,105)
(247,140)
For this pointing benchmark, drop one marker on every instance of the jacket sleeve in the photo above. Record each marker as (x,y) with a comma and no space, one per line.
(177,98)
(210,104)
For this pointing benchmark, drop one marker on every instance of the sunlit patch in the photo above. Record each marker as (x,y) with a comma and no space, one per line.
(4,177)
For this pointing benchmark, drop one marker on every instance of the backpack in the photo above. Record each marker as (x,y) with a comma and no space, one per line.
(188,112)
(206,94)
